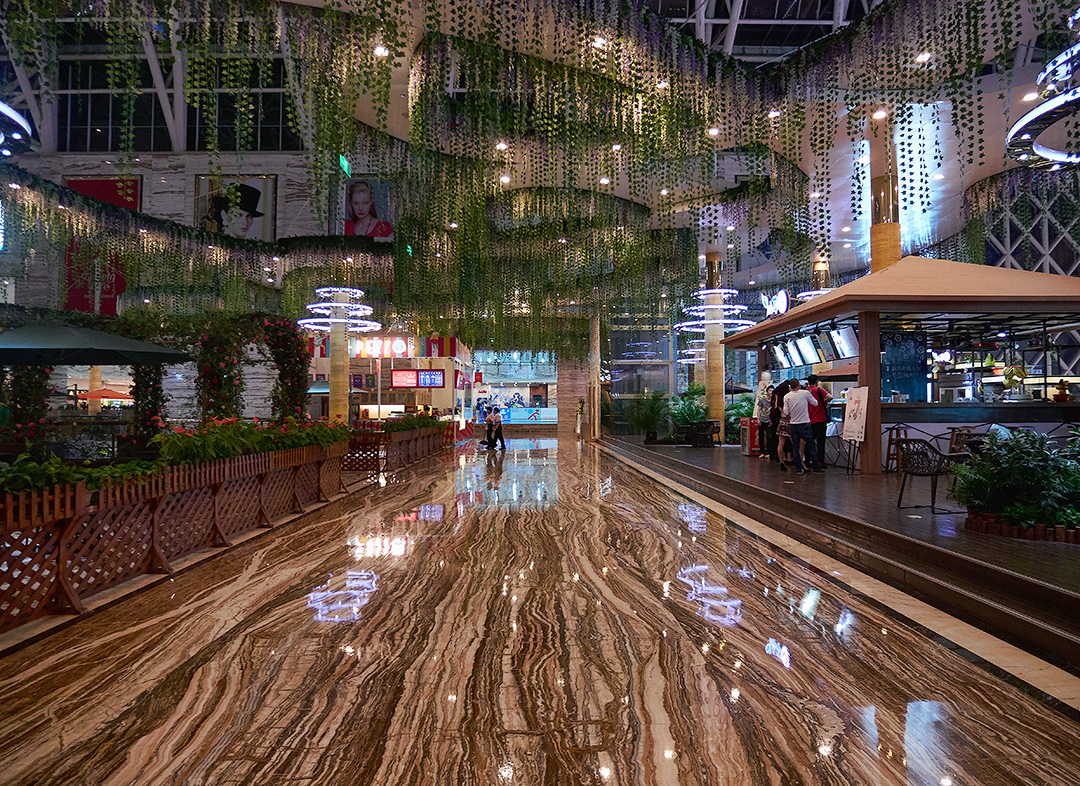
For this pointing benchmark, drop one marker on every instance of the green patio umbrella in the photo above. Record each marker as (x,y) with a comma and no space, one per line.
(61,344)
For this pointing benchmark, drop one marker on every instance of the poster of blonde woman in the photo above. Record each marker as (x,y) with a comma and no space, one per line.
(368,209)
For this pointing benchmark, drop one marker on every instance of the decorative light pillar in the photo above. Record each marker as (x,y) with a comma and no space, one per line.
(340,313)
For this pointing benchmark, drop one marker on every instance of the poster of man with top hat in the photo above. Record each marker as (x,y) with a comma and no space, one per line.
(240,207)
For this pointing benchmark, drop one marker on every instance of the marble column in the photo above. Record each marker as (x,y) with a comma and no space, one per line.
(884,209)
(870,377)
(93,405)
(714,348)
(593,410)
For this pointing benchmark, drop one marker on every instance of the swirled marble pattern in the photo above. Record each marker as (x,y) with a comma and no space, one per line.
(536,617)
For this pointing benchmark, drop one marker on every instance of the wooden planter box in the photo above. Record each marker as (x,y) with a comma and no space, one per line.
(65,544)
(991,524)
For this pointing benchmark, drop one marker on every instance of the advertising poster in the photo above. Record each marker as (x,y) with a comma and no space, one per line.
(855,415)
(242,206)
(368,209)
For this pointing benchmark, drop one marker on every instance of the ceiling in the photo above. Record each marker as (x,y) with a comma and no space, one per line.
(760,31)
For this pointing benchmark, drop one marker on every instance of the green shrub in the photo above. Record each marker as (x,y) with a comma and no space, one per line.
(1021,478)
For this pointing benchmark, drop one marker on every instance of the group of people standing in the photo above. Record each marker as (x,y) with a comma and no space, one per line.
(494,423)
(792,418)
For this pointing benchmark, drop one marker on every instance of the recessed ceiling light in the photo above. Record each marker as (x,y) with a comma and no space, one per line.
(751,282)
(846,229)
(939,176)
(663,83)
(348,259)
(1025,136)
(381,51)
(714,131)
(731,245)
(142,231)
(562,239)
(1055,167)
(572,303)
(16,186)
(267,269)
(501,146)
(453,224)
(815,195)
(616,147)
(881,114)
(604,181)
(17,136)
(701,257)
(599,42)
(923,57)
(1031,96)
(1002,334)
(276,259)
(5,152)
(863,159)
(663,192)
(847,245)
(730,227)
(146,300)
(504,179)
(774,113)
(1024,157)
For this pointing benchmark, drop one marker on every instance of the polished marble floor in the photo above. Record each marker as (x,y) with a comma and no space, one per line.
(539,616)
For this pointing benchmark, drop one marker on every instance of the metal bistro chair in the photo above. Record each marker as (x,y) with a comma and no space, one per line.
(919,457)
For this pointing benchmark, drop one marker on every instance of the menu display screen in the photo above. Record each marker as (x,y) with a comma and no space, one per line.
(847,345)
(827,348)
(430,378)
(809,351)
(403,378)
(781,356)
(795,355)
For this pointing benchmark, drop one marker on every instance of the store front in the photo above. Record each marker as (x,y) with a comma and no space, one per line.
(523,385)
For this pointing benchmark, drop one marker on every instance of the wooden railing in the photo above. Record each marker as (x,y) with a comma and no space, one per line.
(371,452)
(62,545)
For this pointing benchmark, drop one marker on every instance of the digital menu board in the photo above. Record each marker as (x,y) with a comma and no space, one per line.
(796,355)
(781,356)
(845,341)
(403,378)
(809,351)
(430,378)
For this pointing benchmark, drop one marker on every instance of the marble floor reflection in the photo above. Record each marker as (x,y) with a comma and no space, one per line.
(541,615)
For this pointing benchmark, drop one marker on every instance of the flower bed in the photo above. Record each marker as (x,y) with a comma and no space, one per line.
(66,542)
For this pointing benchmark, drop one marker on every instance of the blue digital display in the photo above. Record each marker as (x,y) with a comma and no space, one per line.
(431,378)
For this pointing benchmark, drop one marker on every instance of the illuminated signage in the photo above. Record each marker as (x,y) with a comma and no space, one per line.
(346,167)
(403,378)
(777,304)
(430,378)
(388,347)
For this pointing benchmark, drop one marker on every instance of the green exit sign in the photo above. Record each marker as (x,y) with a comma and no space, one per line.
(345,167)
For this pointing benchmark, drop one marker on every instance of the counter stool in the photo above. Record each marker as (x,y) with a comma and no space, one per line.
(893,460)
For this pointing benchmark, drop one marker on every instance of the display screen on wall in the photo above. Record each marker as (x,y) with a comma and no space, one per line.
(241,207)
(430,378)
(403,378)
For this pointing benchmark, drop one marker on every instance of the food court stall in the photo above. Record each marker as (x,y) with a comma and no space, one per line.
(939,346)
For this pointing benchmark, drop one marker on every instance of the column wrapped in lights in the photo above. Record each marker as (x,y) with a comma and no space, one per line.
(339,314)
(714,316)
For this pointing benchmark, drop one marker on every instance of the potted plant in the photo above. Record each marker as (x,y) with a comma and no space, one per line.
(690,407)
(648,413)
(1019,481)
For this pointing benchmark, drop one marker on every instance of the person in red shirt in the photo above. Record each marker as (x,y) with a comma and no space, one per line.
(819,416)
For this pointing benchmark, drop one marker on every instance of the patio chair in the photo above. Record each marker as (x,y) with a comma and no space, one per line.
(919,457)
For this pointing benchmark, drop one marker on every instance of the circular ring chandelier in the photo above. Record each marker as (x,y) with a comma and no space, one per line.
(713,313)
(341,306)
(810,294)
(14,132)
(1022,143)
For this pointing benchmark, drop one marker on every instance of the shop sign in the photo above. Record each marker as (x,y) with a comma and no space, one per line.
(430,378)
(775,305)
(388,347)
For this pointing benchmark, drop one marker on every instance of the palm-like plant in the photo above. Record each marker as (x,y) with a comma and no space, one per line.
(648,413)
